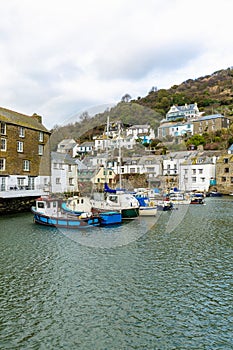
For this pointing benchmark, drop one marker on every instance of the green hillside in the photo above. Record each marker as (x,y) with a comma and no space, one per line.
(213,94)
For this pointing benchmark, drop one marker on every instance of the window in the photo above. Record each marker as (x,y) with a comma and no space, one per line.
(202,179)
(232,180)
(3,145)
(71,183)
(194,179)
(225,160)
(26,165)
(19,146)
(2,164)
(20,182)
(69,167)
(58,180)
(3,128)
(40,150)
(224,179)
(41,136)
(21,132)
(194,171)
(200,171)
(226,170)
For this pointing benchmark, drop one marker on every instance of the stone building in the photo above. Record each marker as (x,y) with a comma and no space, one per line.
(24,152)
(224,173)
(210,123)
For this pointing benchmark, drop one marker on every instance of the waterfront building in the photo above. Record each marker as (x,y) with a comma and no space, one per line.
(224,173)
(64,173)
(104,175)
(197,172)
(24,154)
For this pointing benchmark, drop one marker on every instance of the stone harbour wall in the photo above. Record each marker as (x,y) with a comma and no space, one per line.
(16,205)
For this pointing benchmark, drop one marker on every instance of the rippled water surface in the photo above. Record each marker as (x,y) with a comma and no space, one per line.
(141,286)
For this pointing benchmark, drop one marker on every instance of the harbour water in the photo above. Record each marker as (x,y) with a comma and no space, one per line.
(146,285)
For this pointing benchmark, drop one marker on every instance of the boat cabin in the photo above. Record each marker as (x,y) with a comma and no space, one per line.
(48,206)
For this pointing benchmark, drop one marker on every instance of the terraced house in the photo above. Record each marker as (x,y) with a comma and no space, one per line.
(24,153)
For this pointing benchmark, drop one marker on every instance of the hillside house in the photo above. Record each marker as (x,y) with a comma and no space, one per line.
(24,154)
(85,147)
(187,112)
(210,123)
(143,132)
(177,129)
(69,146)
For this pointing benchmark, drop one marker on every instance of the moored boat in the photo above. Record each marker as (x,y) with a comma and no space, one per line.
(197,198)
(78,205)
(120,201)
(146,206)
(48,212)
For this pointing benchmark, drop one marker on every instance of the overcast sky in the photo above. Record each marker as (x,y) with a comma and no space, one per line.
(59,58)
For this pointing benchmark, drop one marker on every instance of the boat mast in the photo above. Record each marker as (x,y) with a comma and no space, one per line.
(119,138)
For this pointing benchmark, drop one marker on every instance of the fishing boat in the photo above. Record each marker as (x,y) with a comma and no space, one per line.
(79,205)
(164,204)
(48,212)
(146,206)
(197,198)
(114,200)
(179,198)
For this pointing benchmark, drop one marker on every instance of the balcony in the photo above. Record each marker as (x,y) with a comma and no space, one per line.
(23,191)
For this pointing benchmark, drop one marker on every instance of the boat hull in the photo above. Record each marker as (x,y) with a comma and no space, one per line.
(65,221)
(147,211)
(110,218)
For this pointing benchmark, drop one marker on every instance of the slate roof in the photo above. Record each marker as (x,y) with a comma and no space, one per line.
(212,116)
(62,158)
(12,117)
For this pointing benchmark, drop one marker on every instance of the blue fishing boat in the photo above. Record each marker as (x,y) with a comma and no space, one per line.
(48,212)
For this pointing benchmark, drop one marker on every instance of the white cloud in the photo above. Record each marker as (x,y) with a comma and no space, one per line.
(59,57)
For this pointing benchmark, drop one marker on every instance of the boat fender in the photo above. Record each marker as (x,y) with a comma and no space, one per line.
(151,204)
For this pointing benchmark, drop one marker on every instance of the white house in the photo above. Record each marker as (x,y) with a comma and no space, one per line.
(197,172)
(67,145)
(143,132)
(85,147)
(64,173)
(186,111)
(102,143)
(175,129)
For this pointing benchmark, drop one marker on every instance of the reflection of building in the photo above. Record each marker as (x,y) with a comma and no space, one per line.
(24,153)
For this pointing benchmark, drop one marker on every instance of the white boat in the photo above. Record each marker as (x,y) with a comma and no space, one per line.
(147,207)
(148,211)
(120,201)
(179,198)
